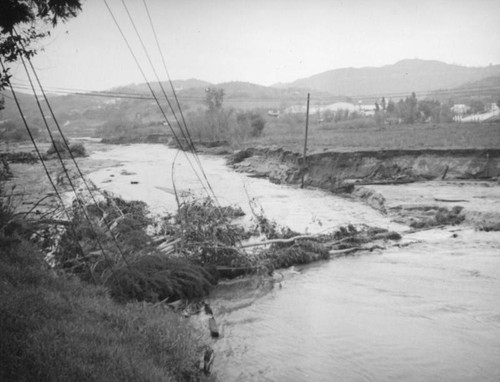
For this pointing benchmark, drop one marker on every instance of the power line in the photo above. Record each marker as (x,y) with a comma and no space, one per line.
(186,135)
(47,173)
(65,170)
(71,154)
(153,93)
(284,98)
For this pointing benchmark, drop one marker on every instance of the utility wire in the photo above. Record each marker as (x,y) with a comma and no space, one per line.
(189,138)
(40,157)
(190,143)
(73,157)
(183,129)
(284,98)
(65,170)
(153,94)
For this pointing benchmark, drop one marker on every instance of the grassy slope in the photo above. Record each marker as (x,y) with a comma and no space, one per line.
(358,135)
(56,328)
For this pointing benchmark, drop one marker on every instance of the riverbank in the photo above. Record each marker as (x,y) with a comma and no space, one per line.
(462,176)
(136,173)
(55,327)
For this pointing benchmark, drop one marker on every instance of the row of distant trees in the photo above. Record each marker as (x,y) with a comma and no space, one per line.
(217,123)
(210,123)
(407,110)
(411,110)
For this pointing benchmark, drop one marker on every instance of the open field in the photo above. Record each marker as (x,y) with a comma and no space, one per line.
(357,136)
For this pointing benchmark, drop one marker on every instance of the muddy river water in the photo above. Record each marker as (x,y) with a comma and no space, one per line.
(428,311)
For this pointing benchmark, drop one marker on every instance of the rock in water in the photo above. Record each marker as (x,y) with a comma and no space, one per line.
(214,330)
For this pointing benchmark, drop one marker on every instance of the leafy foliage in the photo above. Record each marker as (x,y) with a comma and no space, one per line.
(209,237)
(17,42)
(251,123)
(12,132)
(58,146)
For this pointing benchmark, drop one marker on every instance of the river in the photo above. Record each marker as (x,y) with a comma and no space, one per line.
(428,311)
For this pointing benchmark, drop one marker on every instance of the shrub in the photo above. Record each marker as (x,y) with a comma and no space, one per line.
(57,146)
(78,150)
(250,123)
(156,277)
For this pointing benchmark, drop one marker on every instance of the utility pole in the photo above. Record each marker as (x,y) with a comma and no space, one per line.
(305,142)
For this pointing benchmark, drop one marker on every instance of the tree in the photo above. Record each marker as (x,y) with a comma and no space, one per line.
(218,119)
(428,109)
(250,123)
(214,98)
(391,107)
(20,27)
(412,108)
(383,103)
(476,106)
(407,110)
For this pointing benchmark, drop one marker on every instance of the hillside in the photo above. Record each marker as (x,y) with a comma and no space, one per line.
(402,77)
(83,114)
(486,90)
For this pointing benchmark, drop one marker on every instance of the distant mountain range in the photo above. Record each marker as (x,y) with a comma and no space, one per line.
(402,77)
(432,79)
(396,80)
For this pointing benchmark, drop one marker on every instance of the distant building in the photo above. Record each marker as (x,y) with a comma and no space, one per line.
(492,115)
(334,107)
(367,109)
(339,106)
(460,109)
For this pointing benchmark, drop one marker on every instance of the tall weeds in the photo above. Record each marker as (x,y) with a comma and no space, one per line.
(55,327)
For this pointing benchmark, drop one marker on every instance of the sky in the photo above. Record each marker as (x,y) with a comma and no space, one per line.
(262,41)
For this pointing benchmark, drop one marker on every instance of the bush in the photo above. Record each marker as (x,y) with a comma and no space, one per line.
(250,123)
(155,278)
(15,131)
(57,146)
(78,150)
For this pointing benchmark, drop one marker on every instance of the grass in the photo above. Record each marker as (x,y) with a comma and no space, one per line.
(361,134)
(54,327)
(155,277)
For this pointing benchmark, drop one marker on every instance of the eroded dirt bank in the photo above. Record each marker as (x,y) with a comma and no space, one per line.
(337,170)
(363,175)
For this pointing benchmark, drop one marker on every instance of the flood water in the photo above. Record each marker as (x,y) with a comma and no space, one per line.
(429,311)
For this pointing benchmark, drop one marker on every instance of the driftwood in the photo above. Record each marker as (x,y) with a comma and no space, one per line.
(341,252)
(214,329)
(207,359)
(168,246)
(451,200)
(445,172)
(337,252)
(281,241)
(51,221)
(233,272)
(385,235)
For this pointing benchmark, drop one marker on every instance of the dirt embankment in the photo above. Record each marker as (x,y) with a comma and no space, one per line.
(340,171)
(368,174)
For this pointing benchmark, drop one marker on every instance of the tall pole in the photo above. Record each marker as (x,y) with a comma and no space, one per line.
(305,141)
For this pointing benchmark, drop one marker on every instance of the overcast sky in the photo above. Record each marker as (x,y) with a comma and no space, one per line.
(265,41)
